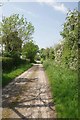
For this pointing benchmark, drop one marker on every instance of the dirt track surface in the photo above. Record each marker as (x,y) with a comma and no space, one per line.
(28,96)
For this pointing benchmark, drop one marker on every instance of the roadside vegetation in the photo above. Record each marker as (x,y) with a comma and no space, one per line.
(61,65)
(8,76)
(64,87)
(18,49)
(60,62)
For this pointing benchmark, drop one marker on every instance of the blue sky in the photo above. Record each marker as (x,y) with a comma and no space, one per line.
(47,18)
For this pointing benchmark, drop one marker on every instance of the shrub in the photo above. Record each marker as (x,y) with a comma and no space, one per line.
(10,63)
(7,63)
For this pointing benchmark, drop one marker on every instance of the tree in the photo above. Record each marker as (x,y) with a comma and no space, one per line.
(70,29)
(30,50)
(51,53)
(47,53)
(14,30)
(14,45)
(43,53)
(37,57)
(47,50)
(70,36)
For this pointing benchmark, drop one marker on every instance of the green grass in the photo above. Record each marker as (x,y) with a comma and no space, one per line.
(64,84)
(8,76)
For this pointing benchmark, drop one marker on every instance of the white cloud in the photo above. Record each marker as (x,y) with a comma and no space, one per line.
(53,3)
(56,5)
(60,7)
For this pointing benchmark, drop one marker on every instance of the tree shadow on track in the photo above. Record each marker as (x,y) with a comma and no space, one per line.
(11,96)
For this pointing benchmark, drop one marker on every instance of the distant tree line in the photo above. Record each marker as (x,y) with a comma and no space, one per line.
(47,53)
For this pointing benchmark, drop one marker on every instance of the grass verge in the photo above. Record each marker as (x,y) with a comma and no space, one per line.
(8,76)
(64,86)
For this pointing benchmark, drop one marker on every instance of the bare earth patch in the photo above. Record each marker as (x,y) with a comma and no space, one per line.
(28,96)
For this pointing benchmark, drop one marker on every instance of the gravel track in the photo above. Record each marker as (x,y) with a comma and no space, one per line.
(28,96)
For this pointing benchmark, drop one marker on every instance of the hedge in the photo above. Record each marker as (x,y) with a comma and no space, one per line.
(10,63)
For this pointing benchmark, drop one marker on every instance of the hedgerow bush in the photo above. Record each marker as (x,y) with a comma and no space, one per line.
(11,63)
(7,63)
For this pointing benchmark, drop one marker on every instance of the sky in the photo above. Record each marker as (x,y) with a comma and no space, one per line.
(47,17)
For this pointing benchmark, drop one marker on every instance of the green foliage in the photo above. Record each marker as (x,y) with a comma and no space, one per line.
(9,76)
(9,63)
(66,52)
(47,53)
(43,54)
(58,46)
(19,24)
(37,57)
(51,53)
(30,50)
(13,45)
(70,36)
(64,86)
(15,30)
